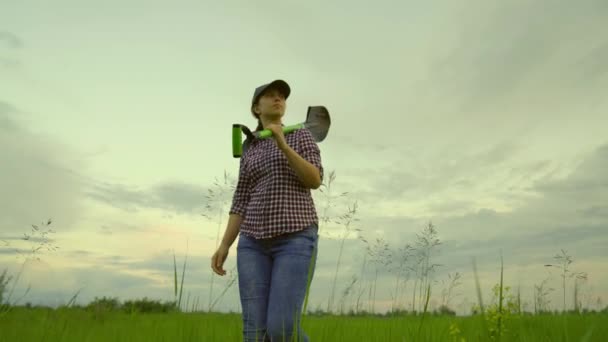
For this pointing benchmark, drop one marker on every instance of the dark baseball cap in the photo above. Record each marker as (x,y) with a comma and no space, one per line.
(280,85)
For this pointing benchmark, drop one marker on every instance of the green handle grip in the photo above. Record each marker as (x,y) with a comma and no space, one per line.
(237,141)
(237,137)
(266,133)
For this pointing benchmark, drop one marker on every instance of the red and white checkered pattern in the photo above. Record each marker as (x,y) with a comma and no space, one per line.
(269,194)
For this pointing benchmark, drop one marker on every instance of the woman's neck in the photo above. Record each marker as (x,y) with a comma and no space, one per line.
(266,122)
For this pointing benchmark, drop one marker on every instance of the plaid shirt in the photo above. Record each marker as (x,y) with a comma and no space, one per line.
(269,194)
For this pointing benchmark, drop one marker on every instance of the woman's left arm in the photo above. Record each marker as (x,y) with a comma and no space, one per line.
(306,164)
(308,173)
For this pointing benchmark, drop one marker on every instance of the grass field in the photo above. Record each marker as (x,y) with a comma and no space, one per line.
(69,324)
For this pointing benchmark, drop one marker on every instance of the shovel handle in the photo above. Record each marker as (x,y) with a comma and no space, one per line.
(237,141)
(266,133)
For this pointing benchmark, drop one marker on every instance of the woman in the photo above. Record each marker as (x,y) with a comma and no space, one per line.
(274,215)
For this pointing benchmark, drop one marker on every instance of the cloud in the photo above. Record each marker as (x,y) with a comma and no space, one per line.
(94,282)
(11,251)
(119,196)
(172,196)
(441,180)
(7,110)
(461,74)
(29,238)
(39,179)
(491,60)
(589,178)
(119,227)
(578,199)
(568,212)
(98,274)
(594,65)
(10,40)
(9,44)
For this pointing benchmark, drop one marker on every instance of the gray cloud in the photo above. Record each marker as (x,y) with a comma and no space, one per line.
(78,253)
(10,40)
(175,197)
(492,57)
(115,276)
(9,43)
(162,263)
(554,204)
(412,177)
(589,177)
(11,251)
(116,227)
(584,242)
(119,196)
(29,239)
(37,179)
(528,236)
(467,74)
(9,62)
(7,112)
(91,282)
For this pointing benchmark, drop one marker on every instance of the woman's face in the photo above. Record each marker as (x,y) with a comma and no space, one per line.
(272,104)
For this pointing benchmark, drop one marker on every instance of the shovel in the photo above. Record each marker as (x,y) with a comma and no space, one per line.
(317,122)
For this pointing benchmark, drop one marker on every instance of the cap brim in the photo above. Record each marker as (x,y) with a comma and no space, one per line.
(281,85)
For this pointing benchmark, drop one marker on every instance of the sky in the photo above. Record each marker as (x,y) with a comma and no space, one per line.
(486,119)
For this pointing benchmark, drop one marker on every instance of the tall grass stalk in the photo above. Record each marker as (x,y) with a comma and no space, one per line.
(329,198)
(519,300)
(399,270)
(577,302)
(230,282)
(416,269)
(326,191)
(346,293)
(426,242)
(346,220)
(564,261)
(541,297)
(39,237)
(5,279)
(72,300)
(361,289)
(500,298)
(217,200)
(381,257)
(447,292)
(480,300)
(426,305)
(178,296)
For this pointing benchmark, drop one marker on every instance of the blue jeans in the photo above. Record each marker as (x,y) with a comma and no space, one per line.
(273,275)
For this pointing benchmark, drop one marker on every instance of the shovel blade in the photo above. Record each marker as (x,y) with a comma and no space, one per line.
(318,122)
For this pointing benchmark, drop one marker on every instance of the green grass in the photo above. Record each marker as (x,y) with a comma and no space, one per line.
(39,324)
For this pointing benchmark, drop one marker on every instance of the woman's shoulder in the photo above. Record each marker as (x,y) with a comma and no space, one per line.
(304,134)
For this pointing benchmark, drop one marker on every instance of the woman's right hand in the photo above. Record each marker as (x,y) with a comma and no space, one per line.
(218,259)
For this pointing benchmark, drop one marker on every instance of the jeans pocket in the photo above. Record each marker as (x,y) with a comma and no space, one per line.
(311,233)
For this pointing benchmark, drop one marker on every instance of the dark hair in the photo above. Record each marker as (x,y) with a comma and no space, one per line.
(257,116)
